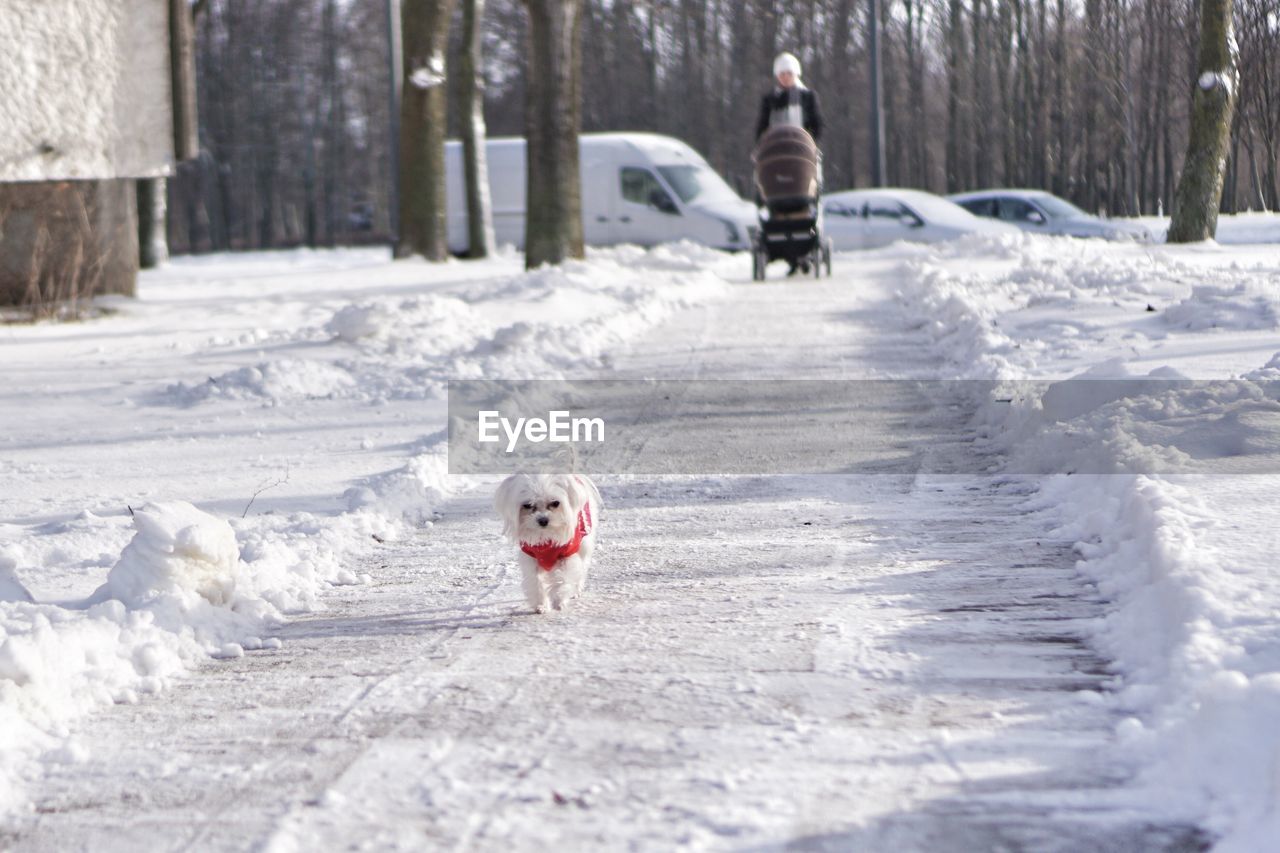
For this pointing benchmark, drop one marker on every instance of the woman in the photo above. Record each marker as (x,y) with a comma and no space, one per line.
(790,102)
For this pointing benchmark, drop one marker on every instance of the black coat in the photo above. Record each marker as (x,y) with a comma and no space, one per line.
(778,99)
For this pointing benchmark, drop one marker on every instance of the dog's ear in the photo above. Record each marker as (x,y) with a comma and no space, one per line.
(506,501)
(582,490)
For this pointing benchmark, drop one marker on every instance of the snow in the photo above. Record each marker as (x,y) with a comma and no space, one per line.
(303,391)
(87,87)
(1182,550)
(177,551)
(1233,229)
(11,589)
(1210,79)
(254,473)
(429,75)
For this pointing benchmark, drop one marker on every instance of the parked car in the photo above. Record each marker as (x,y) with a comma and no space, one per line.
(1044,213)
(636,188)
(865,219)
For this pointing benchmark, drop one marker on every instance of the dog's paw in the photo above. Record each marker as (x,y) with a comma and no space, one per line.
(563,601)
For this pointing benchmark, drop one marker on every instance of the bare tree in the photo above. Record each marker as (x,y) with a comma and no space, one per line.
(423,225)
(1079,97)
(1195,212)
(480,237)
(553,109)
(153,246)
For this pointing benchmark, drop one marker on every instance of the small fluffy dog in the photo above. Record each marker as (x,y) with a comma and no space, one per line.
(553,518)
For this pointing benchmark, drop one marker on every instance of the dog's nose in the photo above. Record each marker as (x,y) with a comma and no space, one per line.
(543,520)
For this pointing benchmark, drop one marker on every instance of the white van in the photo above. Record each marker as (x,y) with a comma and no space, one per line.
(636,188)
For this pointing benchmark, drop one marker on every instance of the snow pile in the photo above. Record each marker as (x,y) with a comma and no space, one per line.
(964,313)
(1161,423)
(1250,304)
(413,492)
(178,551)
(273,382)
(959,319)
(1190,624)
(57,663)
(1269,372)
(545,323)
(11,589)
(1061,303)
(170,600)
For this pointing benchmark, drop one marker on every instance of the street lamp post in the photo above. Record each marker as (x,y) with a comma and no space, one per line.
(395,69)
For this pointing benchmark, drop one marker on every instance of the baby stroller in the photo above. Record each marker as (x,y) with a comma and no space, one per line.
(786,171)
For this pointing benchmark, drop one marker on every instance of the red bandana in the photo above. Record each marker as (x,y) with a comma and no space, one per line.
(549,553)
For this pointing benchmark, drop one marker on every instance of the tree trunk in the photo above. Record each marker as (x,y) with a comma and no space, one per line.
(153,242)
(553,197)
(423,102)
(1195,211)
(877,159)
(980,108)
(480,237)
(182,65)
(1062,147)
(956,179)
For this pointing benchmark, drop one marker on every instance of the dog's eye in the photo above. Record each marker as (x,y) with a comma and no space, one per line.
(553,505)
(526,506)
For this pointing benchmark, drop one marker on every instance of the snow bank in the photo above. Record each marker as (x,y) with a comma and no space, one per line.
(1249,304)
(410,493)
(189,586)
(1190,624)
(1200,682)
(546,323)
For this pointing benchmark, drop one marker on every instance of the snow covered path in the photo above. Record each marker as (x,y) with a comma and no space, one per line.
(827,662)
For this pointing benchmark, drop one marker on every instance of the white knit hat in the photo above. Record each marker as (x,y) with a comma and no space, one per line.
(786,62)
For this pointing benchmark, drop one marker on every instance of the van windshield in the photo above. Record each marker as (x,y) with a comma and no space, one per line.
(696,183)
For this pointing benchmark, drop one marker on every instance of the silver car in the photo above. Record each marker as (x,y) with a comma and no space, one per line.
(868,219)
(1044,213)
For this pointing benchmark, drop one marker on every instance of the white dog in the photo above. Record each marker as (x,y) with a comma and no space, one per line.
(553,518)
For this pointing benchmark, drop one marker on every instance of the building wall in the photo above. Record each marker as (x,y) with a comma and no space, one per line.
(84,89)
(64,242)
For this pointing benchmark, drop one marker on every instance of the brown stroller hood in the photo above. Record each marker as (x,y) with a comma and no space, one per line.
(786,165)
